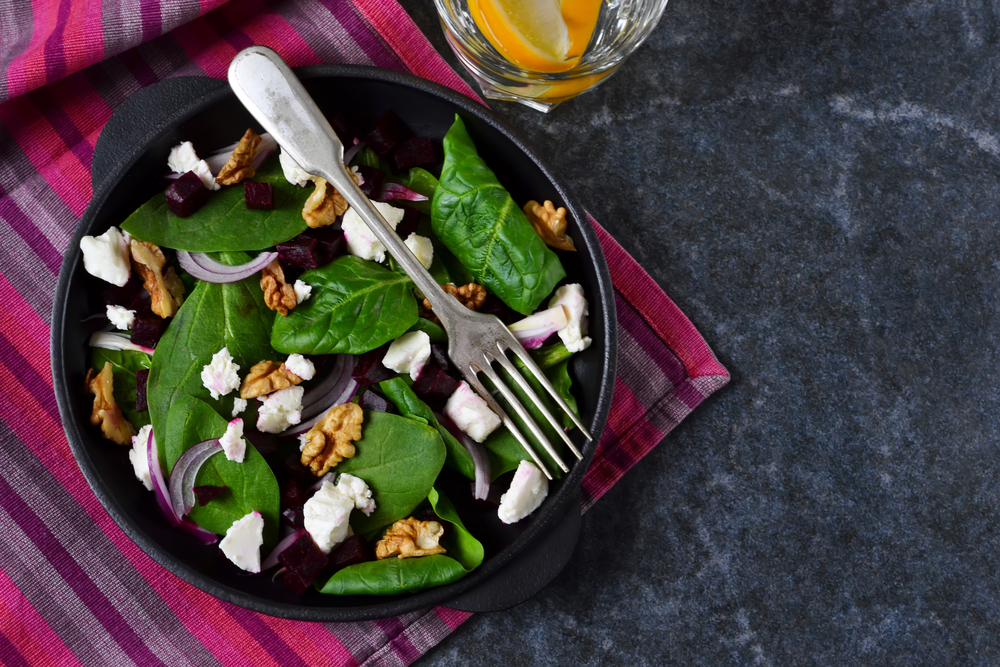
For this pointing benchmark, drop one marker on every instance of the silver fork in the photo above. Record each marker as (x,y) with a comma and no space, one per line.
(276,98)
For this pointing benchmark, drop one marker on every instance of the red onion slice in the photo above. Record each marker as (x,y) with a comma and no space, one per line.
(328,477)
(203,267)
(479,457)
(332,386)
(272,558)
(116,341)
(203,536)
(533,330)
(352,151)
(344,397)
(159,484)
(265,148)
(397,191)
(182,477)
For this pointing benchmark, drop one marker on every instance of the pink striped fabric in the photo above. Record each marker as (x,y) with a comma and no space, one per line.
(73,588)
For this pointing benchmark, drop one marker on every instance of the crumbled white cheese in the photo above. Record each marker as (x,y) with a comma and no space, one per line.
(326,516)
(574,334)
(303,440)
(280,410)
(408,353)
(527,491)
(356,489)
(221,376)
(470,413)
(121,317)
(183,159)
(139,457)
(239,405)
(361,242)
(233,444)
(293,172)
(301,366)
(302,291)
(106,256)
(243,541)
(422,249)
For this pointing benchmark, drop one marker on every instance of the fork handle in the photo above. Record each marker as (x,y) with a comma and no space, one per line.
(272,93)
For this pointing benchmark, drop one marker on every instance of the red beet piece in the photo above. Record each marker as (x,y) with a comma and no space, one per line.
(373,180)
(351,551)
(408,224)
(186,195)
(293,517)
(426,513)
(370,400)
(293,466)
(147,328)
(329,242)
(291,495)
(208,493)
(258,196)
(131,295)
(302,252)
(303,560)
(434,385)
(141,379)
(415,152)
(388,131)
(494,306)
(369,369)
(265,443)
(439,355)
(345,131)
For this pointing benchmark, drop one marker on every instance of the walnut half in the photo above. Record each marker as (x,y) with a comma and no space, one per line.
(409,538)
(106,412)
(278,295)
(550,223)
(267,377)
(323,205)
(240,164)
(166,291)
(471,296)
(330,441)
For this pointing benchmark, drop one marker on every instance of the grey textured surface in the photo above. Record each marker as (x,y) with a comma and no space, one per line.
(815,184)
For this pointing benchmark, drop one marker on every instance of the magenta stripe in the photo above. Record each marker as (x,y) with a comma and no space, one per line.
(138,68)
(363,35)
(77,579)
(400,643)
(9,655)
(55,59)
(276,647)
(653,346)
(28,376)
(63,126)
(689,394)
(22,224)
(152,26)
(224,28)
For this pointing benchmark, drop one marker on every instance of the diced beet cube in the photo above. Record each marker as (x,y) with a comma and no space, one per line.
(426,513)
(293,517)
(439,355)
(370,400)
(293,466)
(373,180)
(265,443)
(494,306)
(345,131)
(415,152)
(351,551)
(186,195)
(291,494)
(408,224)
(330,242)
(388,132)
(131,294)
(434,385)
(368,368)
(207,493)
(258,196)
(303,560)
(147,328)
(141,380)
(302,252)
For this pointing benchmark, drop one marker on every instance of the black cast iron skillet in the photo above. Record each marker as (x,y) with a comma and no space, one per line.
(128,165)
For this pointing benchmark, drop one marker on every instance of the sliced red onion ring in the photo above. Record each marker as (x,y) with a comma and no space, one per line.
(116,341)
(203,267)
(272,558)
(344,397)
(533,330)
(332,386)
(397,191)
(479,457)
(219,158)
(328,477)
(159,484)
(204,536)
(352,151)
(182,477)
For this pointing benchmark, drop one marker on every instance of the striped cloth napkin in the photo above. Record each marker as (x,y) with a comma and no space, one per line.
(73,588)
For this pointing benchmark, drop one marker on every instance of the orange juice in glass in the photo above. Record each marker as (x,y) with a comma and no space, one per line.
(543,52)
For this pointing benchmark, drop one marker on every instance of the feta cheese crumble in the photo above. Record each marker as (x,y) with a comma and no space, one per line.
(421,248)
(243,540)
(326,516)
(280,410)
(233,444)
(301,366)
(361,242)
(470,413)
(183,159)
(527,491)
(239,405)
(408,353)
(106,256)
(356,489)
(139,457)
(121,317)
(293,172)
(221,376)
(571,298)
(302,291)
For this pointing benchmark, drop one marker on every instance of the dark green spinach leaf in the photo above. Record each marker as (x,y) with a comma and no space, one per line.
(435,332)
(477,220)
(548,356)
(124,365)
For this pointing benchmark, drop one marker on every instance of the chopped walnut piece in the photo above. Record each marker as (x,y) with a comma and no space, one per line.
(323,205)
(471,295)
(240,164)
(106,412)
(267,377)
(550,223)
(278,295)
(329,441)
(166,291)
(409,538)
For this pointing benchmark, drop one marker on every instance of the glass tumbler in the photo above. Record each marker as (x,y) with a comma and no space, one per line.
(622,26)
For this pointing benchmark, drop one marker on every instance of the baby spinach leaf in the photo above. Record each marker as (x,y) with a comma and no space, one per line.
(224,222)
(558,375)
(251,484)
(233,316)
(434,331)
(389,576)
(548,356)
(477,220)
(399,459)
(124,365)
(368,158)
(356,306)
(410,405)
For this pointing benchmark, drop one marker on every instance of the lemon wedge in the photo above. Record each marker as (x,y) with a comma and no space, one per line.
(529,33)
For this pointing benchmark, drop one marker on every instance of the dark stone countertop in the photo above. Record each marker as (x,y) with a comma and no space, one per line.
(816,185)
